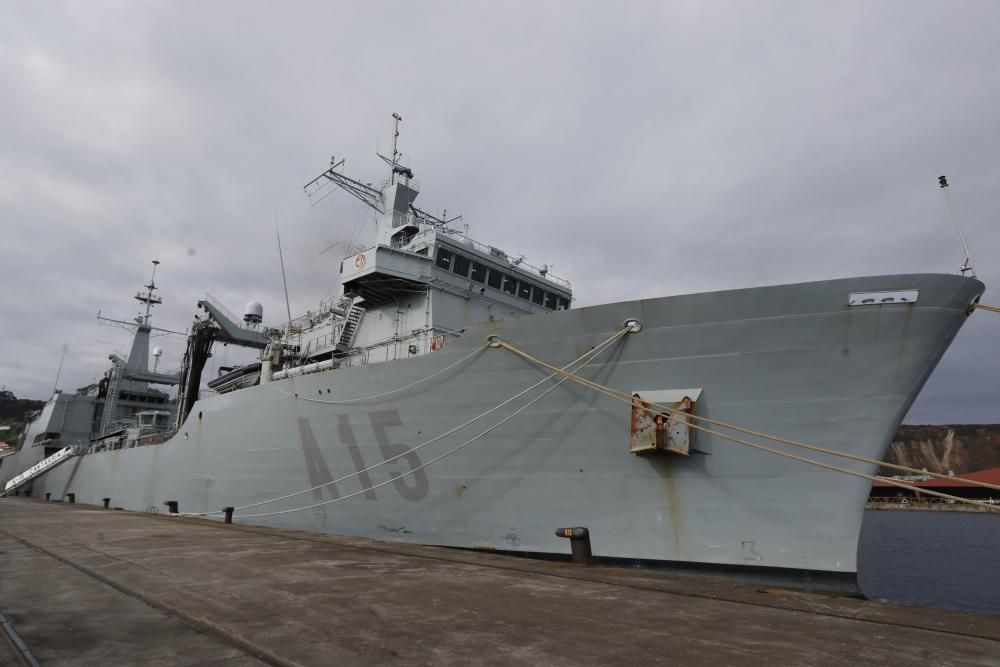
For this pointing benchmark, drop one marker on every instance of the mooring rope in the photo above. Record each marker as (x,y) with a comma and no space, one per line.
(983,306)
(586,358)
(627,398)
(592,354)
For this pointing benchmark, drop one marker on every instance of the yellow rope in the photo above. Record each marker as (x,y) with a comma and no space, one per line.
(627,398)
(767,436)
(983,306)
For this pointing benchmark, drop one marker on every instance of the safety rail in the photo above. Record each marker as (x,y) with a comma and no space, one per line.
(225,311)
(516,262)
(39,468)
(494,252)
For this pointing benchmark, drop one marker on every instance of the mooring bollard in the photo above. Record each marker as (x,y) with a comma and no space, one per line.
(171,506)
(229,514)
(71,497)
(107,502)
(579,541)
(48,496)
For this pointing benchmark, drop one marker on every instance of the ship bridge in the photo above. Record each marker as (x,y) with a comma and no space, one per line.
(422,279)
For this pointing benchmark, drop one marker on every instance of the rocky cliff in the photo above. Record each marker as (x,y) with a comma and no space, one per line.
(959,448)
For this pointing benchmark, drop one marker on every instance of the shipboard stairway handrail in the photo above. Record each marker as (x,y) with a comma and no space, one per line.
(627,398)
(582,360)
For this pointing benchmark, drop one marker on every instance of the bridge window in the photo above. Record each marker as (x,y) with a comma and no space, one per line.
(550,300)
(538,295)
(461,266)
(444,258)
(563,303)
(495,279)
(478,272)
(524,290)
(509,284)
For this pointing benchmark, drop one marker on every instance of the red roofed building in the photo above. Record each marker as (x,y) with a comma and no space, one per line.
(952,486)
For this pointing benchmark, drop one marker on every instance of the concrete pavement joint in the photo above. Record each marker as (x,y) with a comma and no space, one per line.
(198,624)
(17,644)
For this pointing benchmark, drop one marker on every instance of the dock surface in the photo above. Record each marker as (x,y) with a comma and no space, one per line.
(81,585)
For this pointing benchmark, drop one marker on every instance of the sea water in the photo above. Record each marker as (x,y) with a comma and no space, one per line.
(940,559)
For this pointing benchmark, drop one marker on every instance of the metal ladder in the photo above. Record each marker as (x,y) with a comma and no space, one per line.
(350,330)
(34,471)
(111,402)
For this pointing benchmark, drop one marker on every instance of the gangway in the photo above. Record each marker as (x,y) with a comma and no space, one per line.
(39,468)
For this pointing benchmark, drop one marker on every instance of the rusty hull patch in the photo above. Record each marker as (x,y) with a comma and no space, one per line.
(653,431)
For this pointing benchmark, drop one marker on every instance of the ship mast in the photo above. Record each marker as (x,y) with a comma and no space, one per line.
(149,298)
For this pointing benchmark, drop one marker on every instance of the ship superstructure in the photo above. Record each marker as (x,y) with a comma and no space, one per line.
(125,408)
(411,292)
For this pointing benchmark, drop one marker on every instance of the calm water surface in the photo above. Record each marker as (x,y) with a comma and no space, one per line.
(938,559)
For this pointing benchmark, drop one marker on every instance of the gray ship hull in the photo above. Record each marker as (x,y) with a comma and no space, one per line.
(791,360)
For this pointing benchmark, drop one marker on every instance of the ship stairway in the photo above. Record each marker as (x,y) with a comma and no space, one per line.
(350,330)
(111,401)
(39,468)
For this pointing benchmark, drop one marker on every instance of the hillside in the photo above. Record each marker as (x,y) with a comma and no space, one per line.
(13,413)
(958,448)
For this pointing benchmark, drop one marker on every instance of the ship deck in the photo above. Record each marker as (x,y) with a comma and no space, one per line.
(87,586)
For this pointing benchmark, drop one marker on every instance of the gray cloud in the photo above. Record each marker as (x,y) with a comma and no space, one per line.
(644,150)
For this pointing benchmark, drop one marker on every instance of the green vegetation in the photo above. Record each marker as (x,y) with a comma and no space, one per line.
(15,412)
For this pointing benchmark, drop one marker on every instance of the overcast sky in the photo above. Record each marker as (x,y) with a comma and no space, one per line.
(641,149)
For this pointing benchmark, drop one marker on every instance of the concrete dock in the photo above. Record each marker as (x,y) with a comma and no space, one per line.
(81,585)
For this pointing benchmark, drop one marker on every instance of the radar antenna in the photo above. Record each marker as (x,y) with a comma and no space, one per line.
(967,265)
(331,177)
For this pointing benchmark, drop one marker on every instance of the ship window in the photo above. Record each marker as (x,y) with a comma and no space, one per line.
(478,272)
(550,301)
(509,284)
(444,258)
(563,303)
(461,266)
(538,295)
(495,279)
(524,290)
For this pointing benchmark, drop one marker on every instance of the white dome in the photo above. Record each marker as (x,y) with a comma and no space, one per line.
(157,351)
(254,312)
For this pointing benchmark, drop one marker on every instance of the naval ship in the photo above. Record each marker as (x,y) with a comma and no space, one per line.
(400,410)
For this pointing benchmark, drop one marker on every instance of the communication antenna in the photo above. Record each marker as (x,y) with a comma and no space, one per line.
(967,265)
(59,371)
(284,281)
